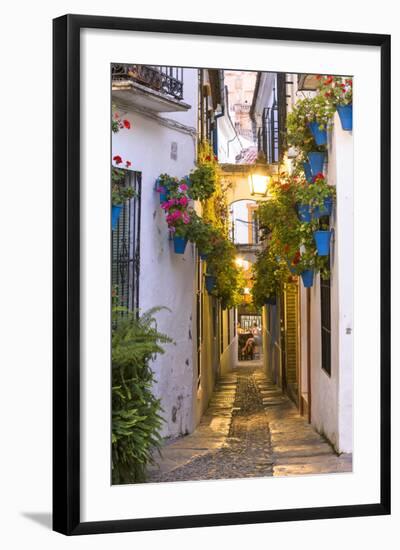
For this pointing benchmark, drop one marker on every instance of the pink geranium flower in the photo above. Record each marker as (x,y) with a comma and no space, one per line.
(183,187)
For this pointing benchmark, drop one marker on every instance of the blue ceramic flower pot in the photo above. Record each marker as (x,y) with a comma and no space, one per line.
(307,171)
(316,161)
(320,136)
(210,281)
(115,215)
(345,113)
(203,256)
(180,244)
(303,212)
(307,277)
(325,210)
(323,241)
(291,268)
(163,197)
(271,301)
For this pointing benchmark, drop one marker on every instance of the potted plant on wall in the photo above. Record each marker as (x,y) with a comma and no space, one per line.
(268,276)
(178,214)
(307,130)
(120,193)
(165,185)
(200,233)
(314,200)
(339,92)
(322,236)
(204,178)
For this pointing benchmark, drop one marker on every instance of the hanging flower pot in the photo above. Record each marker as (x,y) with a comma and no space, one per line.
(210,281)
(270,301)
(291,268)
(316,161)
(320,135)
(163,197)
(322,240)
(325,210)
(307,277)
(179,244)
(303,212)
(345,113)
(307,171)
(115,215)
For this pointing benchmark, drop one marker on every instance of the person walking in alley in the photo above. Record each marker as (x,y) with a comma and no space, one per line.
(252,341)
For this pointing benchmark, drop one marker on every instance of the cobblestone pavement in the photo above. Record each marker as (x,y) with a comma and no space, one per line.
(249,430)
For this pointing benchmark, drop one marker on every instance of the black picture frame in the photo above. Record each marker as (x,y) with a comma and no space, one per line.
(66,273)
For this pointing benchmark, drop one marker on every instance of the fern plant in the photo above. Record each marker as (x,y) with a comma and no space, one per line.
(136,418)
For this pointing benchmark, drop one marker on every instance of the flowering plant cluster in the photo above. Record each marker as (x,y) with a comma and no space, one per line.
(336,89)
(120,192)
(314,194)
(118,123)
(176,207)
(204,179)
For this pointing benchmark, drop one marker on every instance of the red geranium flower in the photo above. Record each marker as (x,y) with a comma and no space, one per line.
(128,163)
(127,124)
(117,159)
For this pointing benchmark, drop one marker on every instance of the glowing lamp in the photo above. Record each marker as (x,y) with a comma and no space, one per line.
(259,178)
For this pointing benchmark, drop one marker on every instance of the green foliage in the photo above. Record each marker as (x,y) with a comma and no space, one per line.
(203,181)
(309,109)
(269,273)
(314,194)
(201,233)
(136,420)
(119,192)
(336,90)
(221,263)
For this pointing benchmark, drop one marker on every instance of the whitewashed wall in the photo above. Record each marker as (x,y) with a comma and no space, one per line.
(331,409)
(166,279)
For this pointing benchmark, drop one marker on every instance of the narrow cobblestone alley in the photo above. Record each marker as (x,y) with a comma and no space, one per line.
(250,429)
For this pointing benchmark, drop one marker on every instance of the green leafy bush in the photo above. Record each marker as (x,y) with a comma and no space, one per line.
(136,420)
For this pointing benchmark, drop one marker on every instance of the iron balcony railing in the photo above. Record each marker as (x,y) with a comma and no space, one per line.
(166,80)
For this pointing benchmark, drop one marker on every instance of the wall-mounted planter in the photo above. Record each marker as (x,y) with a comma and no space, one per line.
(325,210)
(307,277)
(210,281)
(115,215)
(320,136)
(345,113)
(307,171)
(271,301)
(179,244)
(303,212)
(323,241)
(164,197)
(291,268)
(316,160)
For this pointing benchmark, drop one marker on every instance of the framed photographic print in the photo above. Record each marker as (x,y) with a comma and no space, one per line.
(221,274)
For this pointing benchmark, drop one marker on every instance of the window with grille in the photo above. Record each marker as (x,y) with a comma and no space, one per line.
(326,325)
(125,249)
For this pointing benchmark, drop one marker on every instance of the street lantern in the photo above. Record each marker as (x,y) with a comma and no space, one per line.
(259,177)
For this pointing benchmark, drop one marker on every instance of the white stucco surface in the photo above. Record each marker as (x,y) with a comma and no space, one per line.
(332,396)
(166,278)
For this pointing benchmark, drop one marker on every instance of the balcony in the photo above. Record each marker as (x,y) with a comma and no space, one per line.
(153,88)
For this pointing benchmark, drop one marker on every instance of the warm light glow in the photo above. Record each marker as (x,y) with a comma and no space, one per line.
(244,264)
(258,184)
(246,290)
